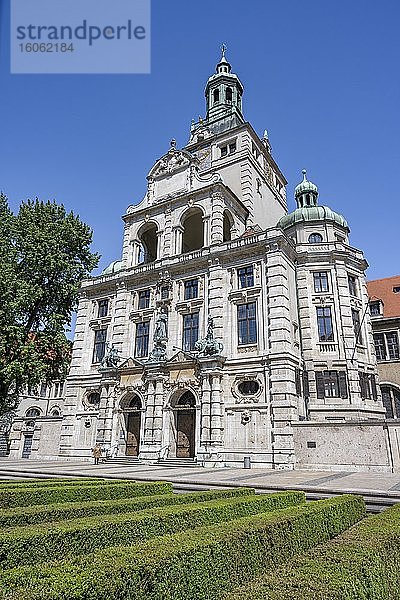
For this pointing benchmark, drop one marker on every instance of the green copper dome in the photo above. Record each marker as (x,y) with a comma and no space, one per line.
(113,267)
(312,213)
(306,194)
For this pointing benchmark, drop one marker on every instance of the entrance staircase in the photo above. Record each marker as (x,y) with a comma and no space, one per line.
(128,461)
(181,463)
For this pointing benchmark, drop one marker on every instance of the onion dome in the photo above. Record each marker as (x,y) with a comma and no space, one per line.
(306,194)
(113,267)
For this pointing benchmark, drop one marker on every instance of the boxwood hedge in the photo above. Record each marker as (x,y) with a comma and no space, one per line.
(38,543)
(79,493)
(28,483)
(33,515)
(362,563)
(203,563)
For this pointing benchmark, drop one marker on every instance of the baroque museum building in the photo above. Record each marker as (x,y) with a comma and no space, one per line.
(230,327)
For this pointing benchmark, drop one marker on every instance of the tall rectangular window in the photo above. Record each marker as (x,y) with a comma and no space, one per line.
(392,344)
(380,346)
(190,330)
(142,339)
(375,308)
(164,293)
(321,282)
(246,277)
(191,289)
(355,315)
(353,289)
(387,345)
(99,349)
(247,323)
(325,327)
(331,384)
(103,308)
(144,299)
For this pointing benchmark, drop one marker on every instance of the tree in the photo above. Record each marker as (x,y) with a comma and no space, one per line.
(44,256)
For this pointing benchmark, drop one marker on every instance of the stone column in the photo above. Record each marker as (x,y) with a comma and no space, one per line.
(217,219)
(178,235)
(106,408)
(212,422)
(150,449)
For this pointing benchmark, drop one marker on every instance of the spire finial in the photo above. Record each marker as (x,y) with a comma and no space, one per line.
(223,49)
(304,171)
(173,143)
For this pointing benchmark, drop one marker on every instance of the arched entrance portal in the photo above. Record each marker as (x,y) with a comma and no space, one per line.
(132,409)
(185,423)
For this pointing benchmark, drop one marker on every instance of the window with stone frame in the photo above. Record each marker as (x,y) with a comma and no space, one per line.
(368,386)
(355,315)
(325,325)
(246,277)
(99,349)
(391,401)
(144,299)
(321,282)
(331,384)
(247,323)
(142,339)
(190,331)
(353,285)
(165,292)
(315,238)
(375,308)
(102,308)
(191,289)
(387,345)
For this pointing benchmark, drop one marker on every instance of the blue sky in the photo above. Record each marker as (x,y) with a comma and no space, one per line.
(321,75)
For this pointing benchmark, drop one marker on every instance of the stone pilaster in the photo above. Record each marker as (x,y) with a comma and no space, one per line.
(106,408)
(152,444)
(217,218)
(212,407)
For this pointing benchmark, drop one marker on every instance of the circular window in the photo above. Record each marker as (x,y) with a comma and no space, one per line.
(315,238)
(249,388)
(93,399)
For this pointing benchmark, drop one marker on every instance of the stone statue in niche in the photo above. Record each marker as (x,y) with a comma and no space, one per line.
(209,346)
(159,352)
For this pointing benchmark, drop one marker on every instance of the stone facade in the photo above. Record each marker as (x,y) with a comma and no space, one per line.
(228,327)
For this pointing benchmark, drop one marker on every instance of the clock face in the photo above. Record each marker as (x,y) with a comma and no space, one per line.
(202,155)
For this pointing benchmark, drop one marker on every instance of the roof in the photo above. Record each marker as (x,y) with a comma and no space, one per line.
(382,289)
(312,213)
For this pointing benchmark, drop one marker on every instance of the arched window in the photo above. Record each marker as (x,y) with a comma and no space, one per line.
(228,224)
(33,413)
(131,402)
(55,412)
(229,94)
(187,400)
(315,238)
(148,239)
(391,401)
(193,231)
(216,96)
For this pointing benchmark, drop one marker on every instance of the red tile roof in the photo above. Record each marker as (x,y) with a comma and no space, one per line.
(382,289)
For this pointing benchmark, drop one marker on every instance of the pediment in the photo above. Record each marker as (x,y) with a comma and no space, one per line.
(172,162)
(130,363)
(181,357)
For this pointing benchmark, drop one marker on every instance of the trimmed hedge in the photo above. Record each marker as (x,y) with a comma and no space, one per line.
(363,563)
(28,483)
(200,564)
(33,515)
(38,543)
(79,493)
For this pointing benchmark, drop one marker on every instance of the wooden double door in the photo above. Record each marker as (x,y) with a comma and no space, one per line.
(133,422)
(185,433)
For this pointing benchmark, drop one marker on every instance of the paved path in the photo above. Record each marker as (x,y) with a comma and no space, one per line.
(385,484)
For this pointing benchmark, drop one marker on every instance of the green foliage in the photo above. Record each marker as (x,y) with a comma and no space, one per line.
(44,256)
(10,484)
(38,543)
(362,563)
(79,493)
(202,563)
(33,515)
